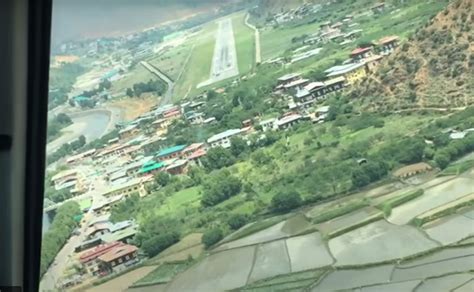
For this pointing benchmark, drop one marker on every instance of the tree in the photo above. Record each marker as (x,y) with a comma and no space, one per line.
(285,201)
(212,236)
(236,221)
(162,178)
(442,159)
(219,187)
(130,92)
(63,119)
(261,157)
(238,146)
(218,158)
(211,94)
(157,244)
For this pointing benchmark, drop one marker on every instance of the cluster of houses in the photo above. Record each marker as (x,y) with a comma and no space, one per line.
(106,249)
(303,93)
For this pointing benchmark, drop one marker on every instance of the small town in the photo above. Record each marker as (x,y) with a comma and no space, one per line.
(312,131)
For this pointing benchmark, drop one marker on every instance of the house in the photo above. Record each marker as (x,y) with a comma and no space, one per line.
(169,153)
(296,84)
(325,26)
(268,124)
(372,62)
(196,105)
(223,139)
(128,132)
(135,185)
(195,118)
(413,169)
(288,78)
(103,205)
(387,45)
(320,114)
(124,235)
(87,244)
(359,54)
(80,156)
(288,121)
(172,115)
(334,84)
(65,176)
(196,156)
(89,258)
(353,34)
(352,72)
(378,8)
(117,259)
(209,120)
(178,166)
(150,168)
(192,149)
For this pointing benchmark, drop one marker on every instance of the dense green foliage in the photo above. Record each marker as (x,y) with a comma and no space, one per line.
(285,201)
(156,86)
(158,243)
(61,228)
(61,81)
(236,221)
(218,158)
(162,178)
(67,149)
(212,236)
(56,124)
(219,186)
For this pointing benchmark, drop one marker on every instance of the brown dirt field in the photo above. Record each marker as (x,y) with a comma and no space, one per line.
(132,108)
(122,282)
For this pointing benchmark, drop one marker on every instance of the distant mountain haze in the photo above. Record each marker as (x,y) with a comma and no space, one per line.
(73,19)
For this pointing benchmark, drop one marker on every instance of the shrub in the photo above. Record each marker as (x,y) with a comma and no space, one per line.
(157,244)
(212,236)
(236,221)
(286,201)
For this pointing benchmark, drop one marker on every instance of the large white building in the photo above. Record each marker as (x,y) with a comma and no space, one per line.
(223,139)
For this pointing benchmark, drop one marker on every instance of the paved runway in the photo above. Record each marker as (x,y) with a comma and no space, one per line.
(224,61)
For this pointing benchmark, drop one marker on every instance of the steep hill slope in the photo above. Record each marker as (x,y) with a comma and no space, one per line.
(434,68)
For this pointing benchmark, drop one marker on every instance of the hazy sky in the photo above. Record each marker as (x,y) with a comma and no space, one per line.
(74,19)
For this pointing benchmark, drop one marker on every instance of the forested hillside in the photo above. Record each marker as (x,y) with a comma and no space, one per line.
(433,68)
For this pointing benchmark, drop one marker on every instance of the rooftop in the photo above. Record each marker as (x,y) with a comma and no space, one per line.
(193,147)
(150,167)
(223,135)
(118,252)
(289,76)
(296,83)
(128,184)
(119,235)
(288,119)
(170,150)
(343,69)
(197,154)
(314,85)
(97,251)
(360,51)
(64,174)
(388,39)
(336,80)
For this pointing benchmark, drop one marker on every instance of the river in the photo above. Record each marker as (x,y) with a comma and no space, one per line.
(92,124)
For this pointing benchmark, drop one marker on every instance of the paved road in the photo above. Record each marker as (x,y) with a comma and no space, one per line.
(169,93)
(258,54)
(56,270)
(224,61)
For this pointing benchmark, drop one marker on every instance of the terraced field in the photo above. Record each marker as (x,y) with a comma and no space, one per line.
(370,255)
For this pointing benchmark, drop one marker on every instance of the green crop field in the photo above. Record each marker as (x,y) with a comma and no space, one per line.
(244,42)
(199,66)
(180,200)
(172,61)
(136,75)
